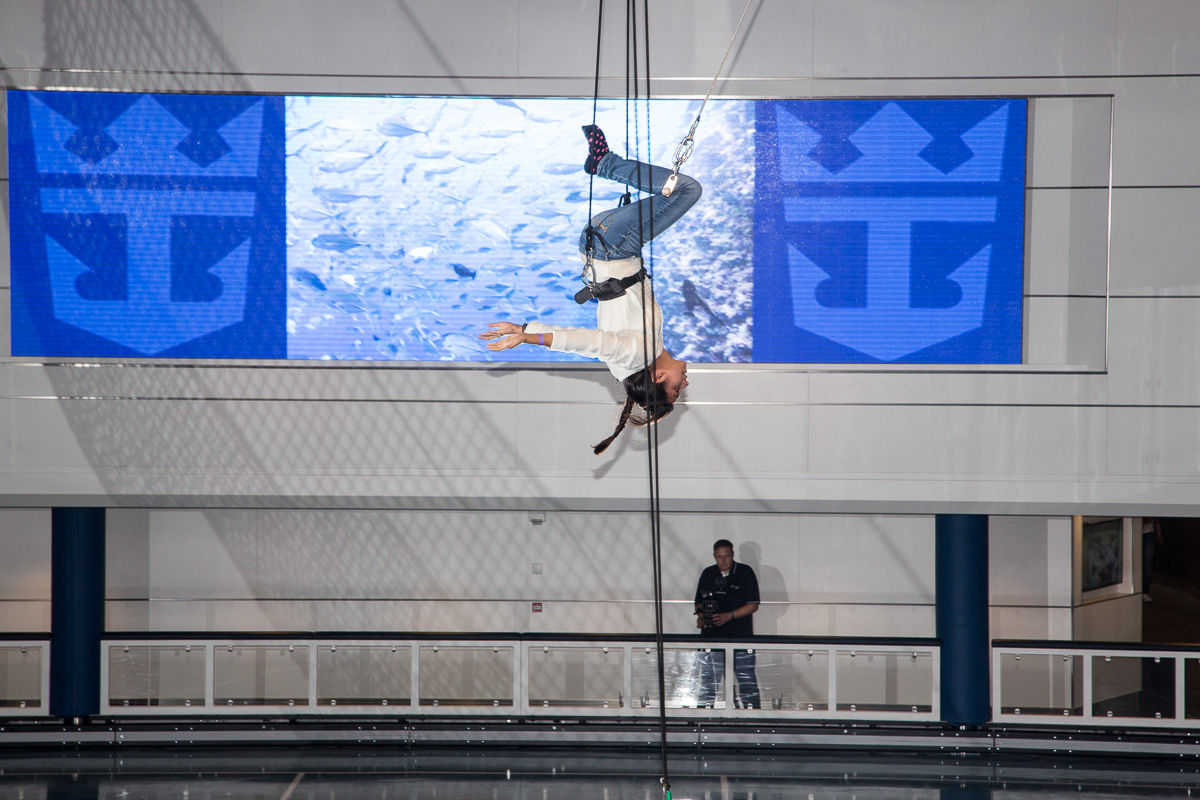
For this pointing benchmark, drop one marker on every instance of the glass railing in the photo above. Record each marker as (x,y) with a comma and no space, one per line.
(502,675)
(1096,683)
(24,677)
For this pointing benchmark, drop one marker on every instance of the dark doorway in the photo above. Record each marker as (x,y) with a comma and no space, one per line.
(1172,561)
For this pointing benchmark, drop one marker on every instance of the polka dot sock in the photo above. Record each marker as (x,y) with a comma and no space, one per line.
(597,148)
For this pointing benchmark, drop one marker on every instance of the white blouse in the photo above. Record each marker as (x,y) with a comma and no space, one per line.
(618,337)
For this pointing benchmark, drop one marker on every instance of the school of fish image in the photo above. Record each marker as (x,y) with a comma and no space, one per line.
(413,221)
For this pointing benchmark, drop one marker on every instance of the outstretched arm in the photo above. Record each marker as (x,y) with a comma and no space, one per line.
(509,335)
(611,347)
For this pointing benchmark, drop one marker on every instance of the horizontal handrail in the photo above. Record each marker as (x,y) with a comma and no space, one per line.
(674,638)
(1141,685)
(1060,644)
(525,674)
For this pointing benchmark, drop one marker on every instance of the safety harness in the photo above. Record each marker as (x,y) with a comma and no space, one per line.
(609,289)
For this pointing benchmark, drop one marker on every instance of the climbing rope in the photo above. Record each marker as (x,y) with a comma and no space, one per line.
(589,270)
(649,333)
(649,353)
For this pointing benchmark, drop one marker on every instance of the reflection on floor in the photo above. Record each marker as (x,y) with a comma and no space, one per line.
(300,774)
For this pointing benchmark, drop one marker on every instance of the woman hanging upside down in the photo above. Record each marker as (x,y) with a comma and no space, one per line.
(625,329)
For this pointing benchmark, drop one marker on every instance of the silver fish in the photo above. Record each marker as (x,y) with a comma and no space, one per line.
(310,212)
(308,278)
(332,195)
(475,158)
(336,241)
(395,129)
(498,132)
(346,301)
(345,162)
(329,144)
(489,228)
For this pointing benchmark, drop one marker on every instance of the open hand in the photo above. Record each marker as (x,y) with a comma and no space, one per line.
(507,334)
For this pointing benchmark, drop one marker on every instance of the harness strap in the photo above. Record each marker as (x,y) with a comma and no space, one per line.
(609,289)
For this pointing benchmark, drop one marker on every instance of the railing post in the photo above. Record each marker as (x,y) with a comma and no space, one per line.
(1180,686)
(962,616)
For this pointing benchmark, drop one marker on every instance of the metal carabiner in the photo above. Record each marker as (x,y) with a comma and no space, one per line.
(684,151)
(588,276)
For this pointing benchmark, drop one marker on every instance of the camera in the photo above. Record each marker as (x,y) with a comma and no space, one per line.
(708,607)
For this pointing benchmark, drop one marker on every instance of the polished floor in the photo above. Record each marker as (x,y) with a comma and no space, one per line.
(347,773)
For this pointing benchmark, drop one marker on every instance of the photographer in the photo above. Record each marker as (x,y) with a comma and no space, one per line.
(726,599)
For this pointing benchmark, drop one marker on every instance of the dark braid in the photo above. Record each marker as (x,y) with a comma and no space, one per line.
(640,388)
(600,448)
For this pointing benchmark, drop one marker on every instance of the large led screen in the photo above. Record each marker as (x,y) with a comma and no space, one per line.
(394,228)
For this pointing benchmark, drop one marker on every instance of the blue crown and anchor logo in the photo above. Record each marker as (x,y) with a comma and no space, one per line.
(148,207)
(895,222)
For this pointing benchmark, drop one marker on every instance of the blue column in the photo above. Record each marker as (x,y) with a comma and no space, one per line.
(962,617)
(76,610)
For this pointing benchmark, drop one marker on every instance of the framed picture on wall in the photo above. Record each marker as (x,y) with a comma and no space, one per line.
(1103,556)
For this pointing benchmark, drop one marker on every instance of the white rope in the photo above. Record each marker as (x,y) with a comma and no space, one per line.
(684,151)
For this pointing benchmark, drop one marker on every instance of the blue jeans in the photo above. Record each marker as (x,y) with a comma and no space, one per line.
(620,232)
(712,673)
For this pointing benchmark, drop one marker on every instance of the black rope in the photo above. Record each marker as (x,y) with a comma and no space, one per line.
(629,147)
(655,493)
(595,103)
(596,82)
(649,335)
(649,358)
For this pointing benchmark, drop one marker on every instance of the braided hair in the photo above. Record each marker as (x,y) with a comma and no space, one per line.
(640,388)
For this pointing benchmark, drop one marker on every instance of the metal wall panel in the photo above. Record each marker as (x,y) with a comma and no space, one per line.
(1002,387)
(1152,353)
(950,443)
(1157,37)
(1067,242)
(275,437)
(1069,140)
(5,326)
(1065,331)
(937,38)
(25,566)
(1155,443)
(23,36)
(752,438)
(1152,253)
(687,40)
(1029,622)
(1029,562)
(1154,120)
(376,37)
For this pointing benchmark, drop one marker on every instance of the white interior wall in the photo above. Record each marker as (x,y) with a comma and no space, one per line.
(24,570)
(820,575)
(1029,577)
(481,571)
